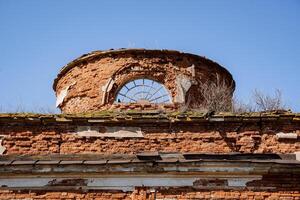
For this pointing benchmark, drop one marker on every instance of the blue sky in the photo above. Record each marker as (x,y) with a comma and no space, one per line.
(257,41)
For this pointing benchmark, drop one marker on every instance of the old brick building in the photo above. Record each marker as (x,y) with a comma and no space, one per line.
(123,134)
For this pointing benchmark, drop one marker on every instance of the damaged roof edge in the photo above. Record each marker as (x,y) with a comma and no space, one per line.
(100,53)
(146,118)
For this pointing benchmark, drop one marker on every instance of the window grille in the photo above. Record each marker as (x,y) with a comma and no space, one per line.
(143,90)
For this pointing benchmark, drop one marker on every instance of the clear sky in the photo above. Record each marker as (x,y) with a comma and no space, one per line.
(257,41)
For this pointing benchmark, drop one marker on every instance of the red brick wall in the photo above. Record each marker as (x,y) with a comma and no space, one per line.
(208,138)
(53,139)
(29,195)
(143,194)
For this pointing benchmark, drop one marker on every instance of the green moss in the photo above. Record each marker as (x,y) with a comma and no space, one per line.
(130,114)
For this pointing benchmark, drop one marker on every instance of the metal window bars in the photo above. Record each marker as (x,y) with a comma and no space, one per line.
(145,90)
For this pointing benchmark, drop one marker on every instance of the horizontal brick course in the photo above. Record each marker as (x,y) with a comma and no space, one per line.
(45,140)
(145,194)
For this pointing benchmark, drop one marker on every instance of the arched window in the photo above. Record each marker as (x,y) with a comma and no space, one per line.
(143,90)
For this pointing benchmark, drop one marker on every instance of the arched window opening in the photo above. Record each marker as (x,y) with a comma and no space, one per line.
(143,90)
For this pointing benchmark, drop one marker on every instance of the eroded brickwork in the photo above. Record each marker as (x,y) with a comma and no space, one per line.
(28,195)
(57,139)
(88,76)
(145,194)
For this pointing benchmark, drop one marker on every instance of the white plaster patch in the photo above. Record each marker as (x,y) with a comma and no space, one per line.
(286,135)
(137,68)
(297,155)
(125,183)
(62,95)
(191,69)
(108,86)
(114,131)
(183,84)
(221,169)
(23,182)
(142,181)
(2,148)
(104,183)
(241,182)
(216,119)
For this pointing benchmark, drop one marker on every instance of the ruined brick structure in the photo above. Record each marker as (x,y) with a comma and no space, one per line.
(91,82)
(112,143)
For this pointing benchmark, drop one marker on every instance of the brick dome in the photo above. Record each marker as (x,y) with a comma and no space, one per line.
(93,81)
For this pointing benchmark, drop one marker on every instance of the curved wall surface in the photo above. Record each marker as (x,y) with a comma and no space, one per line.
(92,82)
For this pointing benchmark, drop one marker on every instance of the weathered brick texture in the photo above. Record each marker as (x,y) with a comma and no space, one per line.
(144,194)
(45,140)
(86,76)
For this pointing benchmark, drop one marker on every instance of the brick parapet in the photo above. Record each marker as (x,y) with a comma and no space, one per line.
(220,133)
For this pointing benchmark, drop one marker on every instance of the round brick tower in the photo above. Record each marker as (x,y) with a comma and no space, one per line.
(136,79)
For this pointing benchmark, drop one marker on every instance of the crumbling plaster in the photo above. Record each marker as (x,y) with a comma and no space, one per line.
(122,183)
(109,131)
